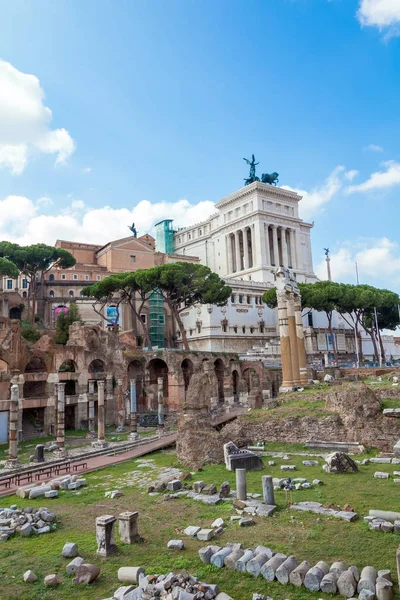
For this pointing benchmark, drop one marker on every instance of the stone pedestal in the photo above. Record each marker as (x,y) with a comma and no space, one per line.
(105,535)
(39,453)
(12,461)
(128,527)
(268,489)
(241,487)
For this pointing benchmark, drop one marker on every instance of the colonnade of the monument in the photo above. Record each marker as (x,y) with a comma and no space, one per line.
(293,354)
(277,247)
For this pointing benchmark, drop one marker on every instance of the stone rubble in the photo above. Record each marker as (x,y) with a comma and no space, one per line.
(25,521)
(319,509)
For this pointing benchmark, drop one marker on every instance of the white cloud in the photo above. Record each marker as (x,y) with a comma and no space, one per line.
(21,222)
(44,201)
(383,14)
(315,200)
(350,175)
(86,169)
(373,148)
(379,180)
(25,122)
(378,260)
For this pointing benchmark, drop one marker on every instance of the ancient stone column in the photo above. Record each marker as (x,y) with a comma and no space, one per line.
(128,527)
(160,402)
(12,461)
(237,252)
(60,433)
(101,441)
(91,425)
(293,339)
(268,489)
(133,434)
(275,245)
(120,404)
(287,376)
(241,488)
(105,535)
(301,349)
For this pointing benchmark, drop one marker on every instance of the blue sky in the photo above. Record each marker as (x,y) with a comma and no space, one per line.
(153,105)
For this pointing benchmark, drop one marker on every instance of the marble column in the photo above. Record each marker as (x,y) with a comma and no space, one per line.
(12,461)
(267,247)
(293,339)
(101,441)
(237,252)
(229,253)
(250,247)
(245,249)
(285,258)
(293,248)
(241,488)
(301,350)
(160,401)
(61,451)
(286,357)
(133,434)
(275,245)
(120,405)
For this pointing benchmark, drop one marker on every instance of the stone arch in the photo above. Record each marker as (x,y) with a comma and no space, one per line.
(136,371)
(96,366)
(51,277)
(219,369)
(15,313)
(33,386)
(68,366)
(158,368)
(247,378)
(36,365)
(187,371)
(4,367)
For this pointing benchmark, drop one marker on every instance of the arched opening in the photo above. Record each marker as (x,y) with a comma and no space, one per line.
(70,387)
(247,378)
(51,277)
(51,293)
(68,366)
(187,371)
(71,293)
(135,371)
(158,368)
(219,370)
(3,366)
(96,366)
(15,313)
(235,385)
(37,387)
(36,365)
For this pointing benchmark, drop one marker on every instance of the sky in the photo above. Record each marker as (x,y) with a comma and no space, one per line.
(114,111)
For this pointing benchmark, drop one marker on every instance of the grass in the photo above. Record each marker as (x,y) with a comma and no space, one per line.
(305,535)
(289,408)
(390,403)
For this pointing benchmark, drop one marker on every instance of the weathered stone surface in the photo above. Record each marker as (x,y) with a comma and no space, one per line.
(310,463)
(384,589)
(36,492)
(235,458)
(191,530)
(51,580)
(225,490)
(268,570)
(315,575)
(284,570)
(218,558)
(340,462)
(205,534)
(246,522)
(105,535)
(346,584)
(218,523)
(381,475)
(29,576)
(208,499)
(86,574)
(328,583)
(26,529)
(232,558)
(207,552)
(70,550)
(385,574)
(130,574)
(198,486)
(210,489)
(242,562)
(175,545)
(298,574)
(264,510)
(254,565)
(74,565)
(367,579)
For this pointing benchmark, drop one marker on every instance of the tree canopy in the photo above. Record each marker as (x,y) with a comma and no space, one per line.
(8,268)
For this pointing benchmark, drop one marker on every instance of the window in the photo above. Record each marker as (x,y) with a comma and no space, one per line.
(251,329)
(240,299)
(190,331)
(189,236)
(244,329)
(9,284)
(200,232)
(75,276)
(51,294)
(24,295)
(86,277)
(143,318)
(51,277)
(63,276)
(24,284)
(224,327)
(235,329)
(232,298)
(133,258)
(248,299)
(98,277)
(310,319)
(71,293)
(261,328)
(198,328)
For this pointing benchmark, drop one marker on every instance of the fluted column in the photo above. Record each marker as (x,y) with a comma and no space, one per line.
(250,248)
(286,357)
(229,253)
(301,350)
(275,245)
(267,250)
(237,252)
(285,259)
(293,248)
(293,339)
(245,249)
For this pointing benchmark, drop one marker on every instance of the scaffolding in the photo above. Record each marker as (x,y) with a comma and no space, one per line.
(165,236)
(157,320)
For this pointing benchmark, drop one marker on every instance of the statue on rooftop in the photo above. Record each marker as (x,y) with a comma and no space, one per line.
(252,174)
(133,229)
(270,178)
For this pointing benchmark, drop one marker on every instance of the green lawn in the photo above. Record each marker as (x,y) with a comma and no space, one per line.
(306,535)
